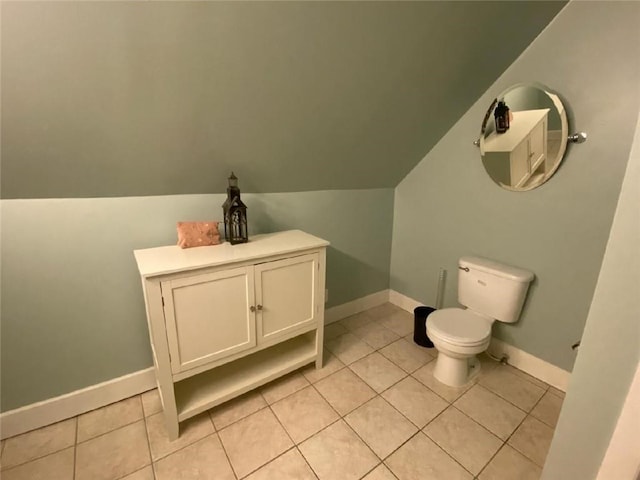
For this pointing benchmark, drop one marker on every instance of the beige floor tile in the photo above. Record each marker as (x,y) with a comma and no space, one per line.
(525,376)
(336,453)
(356,321)
(191,431)
(407,355)
(304,413)
(509,464)
(145,473)
(114,454)
(381,472)
(462,438)
(334,330)
(376,335)
(381,426)
(111,417)
(382,311)
(425,375)
(489,410)
(415,401)
(548,409)
(288,466)
(254,441)
(557,392)
(378,372)
(532,439)
(348,348)
(203,460)
(58,465)
(344,391)
(331,364)
(420,458)
(151,402)
(283,387)
(237,409)
(522,393)
(38,443)
(400,322)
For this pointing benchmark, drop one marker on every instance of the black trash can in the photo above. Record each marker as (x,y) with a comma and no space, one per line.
(420,315)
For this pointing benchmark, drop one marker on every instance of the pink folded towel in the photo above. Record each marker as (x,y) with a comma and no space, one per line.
(197,234)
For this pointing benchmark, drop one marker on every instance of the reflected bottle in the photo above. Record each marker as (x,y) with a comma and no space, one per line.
(502,117)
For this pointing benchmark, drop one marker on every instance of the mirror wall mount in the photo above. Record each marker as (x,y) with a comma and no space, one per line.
(522,147)
(579,137)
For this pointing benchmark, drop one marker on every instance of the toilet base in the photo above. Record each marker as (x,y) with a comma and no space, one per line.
(456,372)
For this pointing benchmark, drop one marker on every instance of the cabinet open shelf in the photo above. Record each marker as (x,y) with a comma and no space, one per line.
(208,389)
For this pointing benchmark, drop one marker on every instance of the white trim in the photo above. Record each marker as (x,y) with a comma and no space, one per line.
(541,369)
(402,301)
(554,135)
(621,458)
(520,359)
(40,414)
(358,305)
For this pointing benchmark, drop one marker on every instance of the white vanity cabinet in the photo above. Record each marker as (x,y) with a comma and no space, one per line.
(225,319)
(515,156)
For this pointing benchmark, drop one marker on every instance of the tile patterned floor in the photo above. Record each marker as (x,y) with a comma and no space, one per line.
(373,412)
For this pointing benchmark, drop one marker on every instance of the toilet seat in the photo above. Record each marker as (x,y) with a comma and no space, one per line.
(459,327)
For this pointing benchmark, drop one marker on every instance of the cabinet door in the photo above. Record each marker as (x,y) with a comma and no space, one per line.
(286,293)
(538,145)
(208,316)
(520,164)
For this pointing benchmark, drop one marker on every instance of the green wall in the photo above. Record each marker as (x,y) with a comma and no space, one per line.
(610,349)
(72,309)
(448,206)
(113,99)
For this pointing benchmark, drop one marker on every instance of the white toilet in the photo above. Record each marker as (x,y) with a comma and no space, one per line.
(490,291)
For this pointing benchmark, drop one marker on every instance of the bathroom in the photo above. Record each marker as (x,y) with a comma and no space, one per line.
(443,208)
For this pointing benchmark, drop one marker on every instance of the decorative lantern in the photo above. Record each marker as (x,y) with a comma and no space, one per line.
(235,214)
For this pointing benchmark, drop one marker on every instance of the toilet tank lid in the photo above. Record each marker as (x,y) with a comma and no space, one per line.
(496,268)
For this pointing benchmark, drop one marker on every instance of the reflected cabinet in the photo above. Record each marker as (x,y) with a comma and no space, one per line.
(518,156)
(225,319)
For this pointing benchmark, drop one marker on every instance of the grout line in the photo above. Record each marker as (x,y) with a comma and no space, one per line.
(75,450)
(146,431)
(4,468)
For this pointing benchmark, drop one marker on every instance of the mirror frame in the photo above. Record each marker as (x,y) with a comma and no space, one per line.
(560,109)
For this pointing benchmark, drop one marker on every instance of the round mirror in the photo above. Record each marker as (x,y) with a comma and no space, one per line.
(524,137)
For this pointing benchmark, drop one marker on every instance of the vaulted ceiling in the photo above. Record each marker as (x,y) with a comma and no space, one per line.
(104,99)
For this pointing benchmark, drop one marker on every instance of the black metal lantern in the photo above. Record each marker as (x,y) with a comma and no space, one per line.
(235,214)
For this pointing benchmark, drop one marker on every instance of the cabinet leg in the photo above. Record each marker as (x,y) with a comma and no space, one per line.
(173,428)
(319,359)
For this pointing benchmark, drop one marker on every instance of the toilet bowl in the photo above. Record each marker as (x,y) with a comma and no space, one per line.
(490,291)
(458,335)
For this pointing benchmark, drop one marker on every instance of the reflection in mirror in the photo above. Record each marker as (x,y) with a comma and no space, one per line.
(524,137)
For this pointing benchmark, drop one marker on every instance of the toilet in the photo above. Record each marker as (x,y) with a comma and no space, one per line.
(490,291)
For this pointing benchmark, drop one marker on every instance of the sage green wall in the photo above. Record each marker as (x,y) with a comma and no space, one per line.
(610,348)
(72,309)
(448,206)
(112,99)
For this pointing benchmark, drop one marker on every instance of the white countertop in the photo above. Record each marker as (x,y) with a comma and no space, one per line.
(172,258)
(521,125)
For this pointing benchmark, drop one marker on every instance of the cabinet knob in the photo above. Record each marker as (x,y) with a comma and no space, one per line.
(259,307)
(252,308)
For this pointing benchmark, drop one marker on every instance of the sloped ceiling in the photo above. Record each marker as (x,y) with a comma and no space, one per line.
(151,98)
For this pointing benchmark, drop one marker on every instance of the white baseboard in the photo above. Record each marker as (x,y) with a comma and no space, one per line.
(37,415)
(358,305)
(30,417)
(402,301)
(520,359)
(541,369)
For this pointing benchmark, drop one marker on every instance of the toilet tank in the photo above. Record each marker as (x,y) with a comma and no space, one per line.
(491,288)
